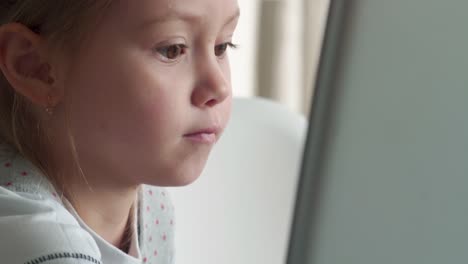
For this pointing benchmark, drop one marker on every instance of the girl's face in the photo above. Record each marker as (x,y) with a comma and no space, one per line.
(150,92)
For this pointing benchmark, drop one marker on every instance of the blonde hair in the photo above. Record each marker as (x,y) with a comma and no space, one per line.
(63,23)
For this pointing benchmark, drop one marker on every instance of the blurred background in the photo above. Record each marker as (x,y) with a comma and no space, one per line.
(279,50)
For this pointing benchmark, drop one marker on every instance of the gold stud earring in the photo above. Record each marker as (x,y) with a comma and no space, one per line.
(49,109)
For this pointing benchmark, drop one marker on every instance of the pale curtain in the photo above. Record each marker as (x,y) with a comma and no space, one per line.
(289,35)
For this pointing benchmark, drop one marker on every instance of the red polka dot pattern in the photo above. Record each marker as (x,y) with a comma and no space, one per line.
(157,240)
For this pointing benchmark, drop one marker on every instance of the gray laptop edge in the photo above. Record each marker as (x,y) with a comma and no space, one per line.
(385,168)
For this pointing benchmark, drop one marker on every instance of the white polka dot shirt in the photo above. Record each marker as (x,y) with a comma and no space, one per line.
(38,227)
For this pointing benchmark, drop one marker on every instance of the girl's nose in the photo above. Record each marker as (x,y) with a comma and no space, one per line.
(213,85)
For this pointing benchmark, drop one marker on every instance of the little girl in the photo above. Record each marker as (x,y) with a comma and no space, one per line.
(101,101)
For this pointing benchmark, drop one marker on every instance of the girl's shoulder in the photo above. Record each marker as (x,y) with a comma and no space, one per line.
(35,225)
(19,175)
(39,225)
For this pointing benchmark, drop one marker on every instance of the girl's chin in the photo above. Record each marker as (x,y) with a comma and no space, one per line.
(184,181)
(177,180)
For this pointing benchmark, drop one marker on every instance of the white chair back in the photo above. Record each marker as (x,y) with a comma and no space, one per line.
(240,209)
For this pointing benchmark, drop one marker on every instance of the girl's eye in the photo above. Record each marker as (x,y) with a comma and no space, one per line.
(172,52)
(221,49)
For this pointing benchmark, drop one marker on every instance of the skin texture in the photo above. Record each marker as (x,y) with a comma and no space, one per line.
(148,75)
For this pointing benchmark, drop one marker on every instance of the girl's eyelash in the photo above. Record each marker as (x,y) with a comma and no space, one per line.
(183,46)
(232,45)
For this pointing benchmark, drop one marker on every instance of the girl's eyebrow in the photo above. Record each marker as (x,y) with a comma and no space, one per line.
(232,18)
(176,15)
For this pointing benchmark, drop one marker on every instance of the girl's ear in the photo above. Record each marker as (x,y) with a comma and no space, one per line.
(25,65)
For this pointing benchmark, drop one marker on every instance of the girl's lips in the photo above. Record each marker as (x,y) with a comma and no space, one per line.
(207,138)
(205,135)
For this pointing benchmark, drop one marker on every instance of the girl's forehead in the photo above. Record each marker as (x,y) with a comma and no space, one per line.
(132,11)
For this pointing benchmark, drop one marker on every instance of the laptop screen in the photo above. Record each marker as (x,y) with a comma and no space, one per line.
(385,171)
